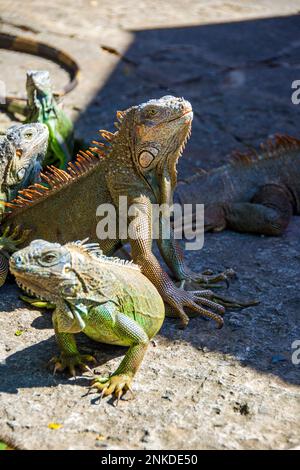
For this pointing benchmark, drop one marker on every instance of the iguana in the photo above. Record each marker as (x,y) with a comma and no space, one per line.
(43,107)
(138,162)
(41,104)
(256,192)
(108,299)
(22,150)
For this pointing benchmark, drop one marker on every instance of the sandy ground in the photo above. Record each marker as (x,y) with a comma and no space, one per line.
(201,388)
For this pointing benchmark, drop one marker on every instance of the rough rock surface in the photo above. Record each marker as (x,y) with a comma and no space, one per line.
(231,388)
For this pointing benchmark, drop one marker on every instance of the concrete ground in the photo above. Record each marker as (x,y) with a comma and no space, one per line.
(201,388)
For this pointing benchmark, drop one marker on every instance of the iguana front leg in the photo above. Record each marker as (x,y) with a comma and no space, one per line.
(140,237)
(130,333)
(173,257)
(69,358)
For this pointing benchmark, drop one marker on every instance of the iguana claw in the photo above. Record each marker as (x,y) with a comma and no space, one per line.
(218,300)
(71,362)
(116,385)
(209,279)
(197,302)
(234,303)
(12,238)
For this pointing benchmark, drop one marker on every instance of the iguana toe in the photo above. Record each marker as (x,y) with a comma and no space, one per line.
(12,238)
(198,303)
(116,385)
(210,279)
(71,362)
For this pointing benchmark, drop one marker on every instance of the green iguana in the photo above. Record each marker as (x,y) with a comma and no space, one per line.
(138,162)
(257,192)
(41,104)
(22,150)
(108,299)
(43,107)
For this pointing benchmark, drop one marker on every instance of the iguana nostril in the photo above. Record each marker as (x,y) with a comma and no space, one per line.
(17,260)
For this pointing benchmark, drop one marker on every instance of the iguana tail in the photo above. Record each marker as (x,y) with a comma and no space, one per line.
(29,46)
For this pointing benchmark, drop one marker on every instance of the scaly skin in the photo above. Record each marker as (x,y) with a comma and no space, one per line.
(256,192)
(43,107)
(22,151)
(109,300)
(138,163)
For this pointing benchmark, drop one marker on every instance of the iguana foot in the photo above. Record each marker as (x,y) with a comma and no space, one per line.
(12,238)
(71,362)
(37,302)
(224,300)
(116,385)
(208,278)
(234,303)
(197,301)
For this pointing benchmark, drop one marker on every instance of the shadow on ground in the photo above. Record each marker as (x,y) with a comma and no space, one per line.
(238,77)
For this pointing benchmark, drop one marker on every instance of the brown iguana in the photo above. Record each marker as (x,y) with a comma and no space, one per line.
(108,299)
(138,162)
(22,151)
(257,192)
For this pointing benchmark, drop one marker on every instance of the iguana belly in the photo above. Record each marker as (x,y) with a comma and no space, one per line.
(103,335)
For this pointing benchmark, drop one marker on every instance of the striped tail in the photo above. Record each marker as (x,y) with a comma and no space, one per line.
(3,268)
(40,49)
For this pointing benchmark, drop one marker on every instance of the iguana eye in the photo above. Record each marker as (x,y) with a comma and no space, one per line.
(48,259)
(152,112)
(28,135)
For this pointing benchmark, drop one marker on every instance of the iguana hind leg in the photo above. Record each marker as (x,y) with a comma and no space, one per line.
(268,213)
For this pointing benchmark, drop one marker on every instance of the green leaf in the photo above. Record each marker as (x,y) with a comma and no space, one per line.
(19,332)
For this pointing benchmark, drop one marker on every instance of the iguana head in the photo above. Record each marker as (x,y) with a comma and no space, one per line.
(60,274)
(157,132)
(22,151)
(38,87)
